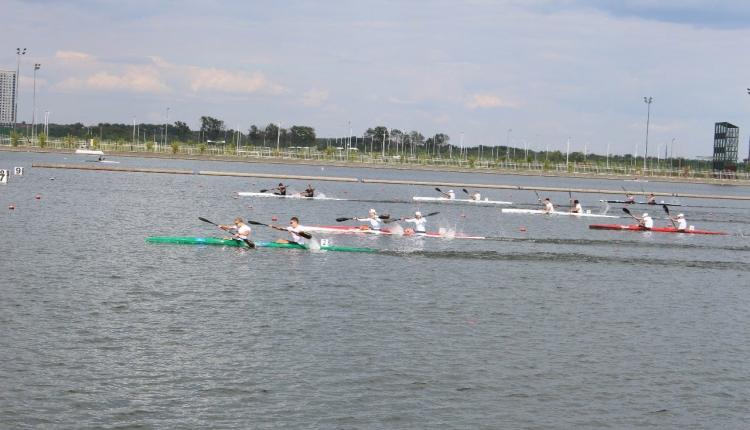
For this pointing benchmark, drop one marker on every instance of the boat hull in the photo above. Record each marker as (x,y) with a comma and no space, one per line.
(287,196)
(655,229)
(183,240)
(485,202)
(541,212)
(625,202)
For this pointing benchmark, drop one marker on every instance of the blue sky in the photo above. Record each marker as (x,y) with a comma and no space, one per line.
(547,70)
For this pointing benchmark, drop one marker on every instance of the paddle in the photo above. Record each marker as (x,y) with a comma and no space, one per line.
(627,211)
(441,192)
(388,221)
(342,219)
(666,209)
(304,234)
(249,242)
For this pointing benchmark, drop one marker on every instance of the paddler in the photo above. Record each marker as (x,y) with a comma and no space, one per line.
(645,221)
(576,208)
(476,196)
(280,190)
(548,207)
(294,229)
(241,230)
(309,191)
(420,223)
(681,222)
(373,219)
(450,195)
(629,198)
(651,199)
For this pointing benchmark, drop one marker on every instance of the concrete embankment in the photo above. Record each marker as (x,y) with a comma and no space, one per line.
(373,181)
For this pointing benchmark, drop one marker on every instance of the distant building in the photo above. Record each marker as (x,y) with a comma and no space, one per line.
(7,97)
(726,141)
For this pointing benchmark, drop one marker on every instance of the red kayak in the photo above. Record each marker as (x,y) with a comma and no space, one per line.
(656,229)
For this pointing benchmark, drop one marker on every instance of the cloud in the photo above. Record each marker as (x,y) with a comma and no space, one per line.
(489,101)
(314,97)
(73,56)
(134,79)
(212,79)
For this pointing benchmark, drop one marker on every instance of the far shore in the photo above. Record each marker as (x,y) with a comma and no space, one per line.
(395,166)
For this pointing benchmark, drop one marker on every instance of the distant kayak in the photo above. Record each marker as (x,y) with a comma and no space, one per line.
(103,161)
(89,152)
(625,202)
(541,212)
(460,201)
(286,196)
(655,229)
(184,240)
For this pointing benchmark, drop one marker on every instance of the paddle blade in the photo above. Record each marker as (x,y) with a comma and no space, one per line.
(431,214)
(343,219)
(465,191)
(256,223)
(205,220)
(249,243)
(666,209)
(263,191)
(626,210)
(384,216)
(305,234)
(438,190)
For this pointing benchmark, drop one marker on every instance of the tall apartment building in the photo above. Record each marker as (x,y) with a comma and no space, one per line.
(726,141)
(7,97)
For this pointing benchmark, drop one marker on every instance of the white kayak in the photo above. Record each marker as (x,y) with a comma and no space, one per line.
(541,212)
(287,196)
(103,161)
(486,201)
(89,152)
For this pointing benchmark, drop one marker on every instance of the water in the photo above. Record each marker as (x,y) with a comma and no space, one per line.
(557,326)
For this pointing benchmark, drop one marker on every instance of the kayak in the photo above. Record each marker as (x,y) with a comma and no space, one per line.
(486,201)
(656,229)
(182,240)
(625,202)
(89,152)
(541,212)
(103,161)
(287,196)
(348,229)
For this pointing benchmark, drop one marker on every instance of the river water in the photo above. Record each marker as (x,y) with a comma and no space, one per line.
(547,324)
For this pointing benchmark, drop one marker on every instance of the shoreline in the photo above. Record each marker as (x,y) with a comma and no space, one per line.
(407,167)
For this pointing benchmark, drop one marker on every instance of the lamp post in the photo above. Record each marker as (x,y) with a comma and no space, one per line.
(648,101)
(33,103)
(507,146)
(166,129)
(46,123)
(19,53)
(278,138)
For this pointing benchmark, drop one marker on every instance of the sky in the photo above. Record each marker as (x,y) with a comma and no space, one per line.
(535,73)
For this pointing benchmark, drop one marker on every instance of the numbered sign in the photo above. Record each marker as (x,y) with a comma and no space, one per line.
(3,176)
(18,171)
(323,242)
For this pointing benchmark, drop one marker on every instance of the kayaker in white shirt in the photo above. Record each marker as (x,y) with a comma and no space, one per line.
(645,221)
(576,207)
(241,230)
(420,223)
(548,207)
(293,229)
(372,218)
(681,222)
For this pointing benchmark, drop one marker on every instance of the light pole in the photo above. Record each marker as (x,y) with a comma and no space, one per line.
(46,123)
(648,101)
(19,52)
(33,104)
(166,129)
(507,146)
(278,138)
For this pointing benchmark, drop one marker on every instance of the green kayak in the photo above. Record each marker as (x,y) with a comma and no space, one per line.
(231,242)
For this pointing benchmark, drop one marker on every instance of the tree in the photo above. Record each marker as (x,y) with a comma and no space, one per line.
(271,132)
(303,135)
(255,134)
(212,128)
(181,131)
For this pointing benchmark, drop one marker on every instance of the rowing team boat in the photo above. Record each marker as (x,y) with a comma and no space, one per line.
(183,240)
(486,201)
(541,212)
(287,196)
(656,229)
(625,202)
(347,229)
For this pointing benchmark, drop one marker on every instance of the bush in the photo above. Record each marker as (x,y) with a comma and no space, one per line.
(202,148)
(42,139)
(149,146)
(175,147)
(14,138)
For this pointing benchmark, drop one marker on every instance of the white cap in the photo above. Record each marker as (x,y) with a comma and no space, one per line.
(680,216)
(372,211)
(644,214)
(450,191)
(417,213)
